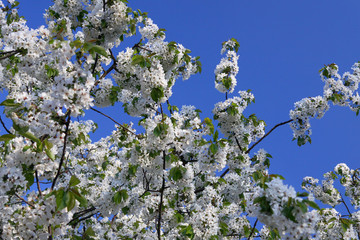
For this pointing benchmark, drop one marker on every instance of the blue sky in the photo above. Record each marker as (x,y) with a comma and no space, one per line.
(283,44)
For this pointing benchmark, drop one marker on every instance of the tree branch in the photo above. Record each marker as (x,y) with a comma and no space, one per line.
(123,127)
(158,228)
(95,63)
(63,151)
(9,54)
(277,125)
(3,124)
(38,183)
(253,229)
(343,201)
(22,199)
(76,217)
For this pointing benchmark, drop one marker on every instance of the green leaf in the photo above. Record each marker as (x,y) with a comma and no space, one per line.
(73,181)
(303,194)
(214,148)
(125,210)
(178,217)
(10,103)
(81,199)
(176,173)
(7,137)
(137,59)
(132,169)
(48,144)
(50,154)
(100,50)
(31,137)
(20,129)
(187,231)
(120,196)
(209,123)
(89,232)
(157,93)
(160,129)
(224,228)
(311,204)
(265,206)
(70,201)
(61,199)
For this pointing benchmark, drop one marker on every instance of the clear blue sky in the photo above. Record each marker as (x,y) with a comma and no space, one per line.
(283,44)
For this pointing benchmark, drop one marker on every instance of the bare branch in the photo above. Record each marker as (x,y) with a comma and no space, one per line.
(63,151)
(123,127)
(22,199)
(253,229)
(8,54)
(158,228)
(277,125)
(38,183)
(3,124)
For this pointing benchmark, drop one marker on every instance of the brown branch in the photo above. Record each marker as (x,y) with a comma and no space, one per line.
(76,217)
(22,199)
(168,103)
(63,151)
(228,169)
(137,45)
(3,124)
(253,229)
(95,63)
(123,127)
(277,125)
(112,67)
(38,183)
(343,201)
(8,54)
(158,228)
(237,142)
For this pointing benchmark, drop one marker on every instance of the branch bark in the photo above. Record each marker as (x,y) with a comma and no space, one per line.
(267,134)
(158,228)
(63,151)
(125,128)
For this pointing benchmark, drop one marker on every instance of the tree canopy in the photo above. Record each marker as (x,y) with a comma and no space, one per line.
(174,176)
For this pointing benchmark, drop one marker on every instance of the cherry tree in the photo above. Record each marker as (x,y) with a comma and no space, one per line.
(159,180)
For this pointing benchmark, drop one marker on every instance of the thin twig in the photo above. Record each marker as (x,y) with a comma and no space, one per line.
(123,127)
(95,63)
(63,151)
(277,125)
(137,45)
(22,199)
(253,229)
(343,201)
(3,124)
(237,142)
(38,183)
(168,103)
